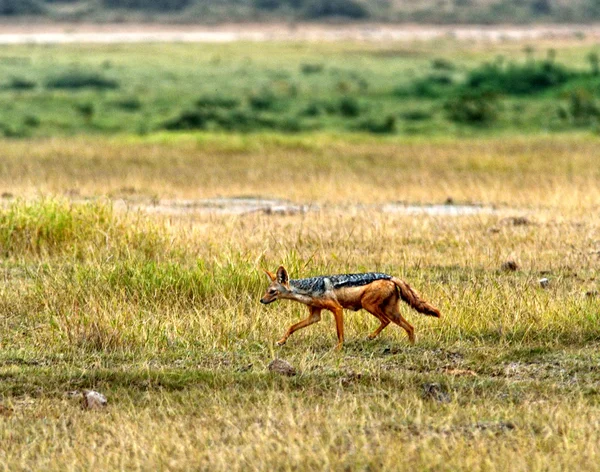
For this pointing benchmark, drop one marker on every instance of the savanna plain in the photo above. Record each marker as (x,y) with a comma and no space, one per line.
(107,284)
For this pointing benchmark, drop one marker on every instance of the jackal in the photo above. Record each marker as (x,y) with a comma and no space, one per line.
(377,293)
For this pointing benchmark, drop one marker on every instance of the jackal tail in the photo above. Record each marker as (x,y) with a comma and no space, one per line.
(412,298)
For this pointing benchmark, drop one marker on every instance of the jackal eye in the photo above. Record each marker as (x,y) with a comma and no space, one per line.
(272,291)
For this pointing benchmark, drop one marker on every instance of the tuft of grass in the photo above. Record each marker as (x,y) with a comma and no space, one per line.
(78,79)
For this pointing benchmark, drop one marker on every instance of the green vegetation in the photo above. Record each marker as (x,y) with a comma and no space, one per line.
(211,11)
(424,89)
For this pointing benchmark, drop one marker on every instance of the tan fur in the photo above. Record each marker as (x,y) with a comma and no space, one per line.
(380,298)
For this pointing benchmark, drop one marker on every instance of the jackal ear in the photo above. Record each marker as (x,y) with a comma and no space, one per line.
(282,276)
(271,275)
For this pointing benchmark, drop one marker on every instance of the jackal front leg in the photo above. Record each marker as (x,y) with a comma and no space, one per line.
(313,317)
(338,313)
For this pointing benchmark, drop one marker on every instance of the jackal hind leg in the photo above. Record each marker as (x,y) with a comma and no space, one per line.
(384,322)
(392,311)
(313,317)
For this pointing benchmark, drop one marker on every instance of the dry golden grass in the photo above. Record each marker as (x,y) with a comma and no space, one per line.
(161,313)
(535,172)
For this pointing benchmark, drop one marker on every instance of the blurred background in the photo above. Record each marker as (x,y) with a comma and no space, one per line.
(212,11)
(298,66)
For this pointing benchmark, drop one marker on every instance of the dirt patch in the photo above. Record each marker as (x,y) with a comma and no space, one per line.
(269,206)
(222,206)
(145,33)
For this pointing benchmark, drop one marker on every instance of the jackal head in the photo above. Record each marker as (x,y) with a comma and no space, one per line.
(279,286)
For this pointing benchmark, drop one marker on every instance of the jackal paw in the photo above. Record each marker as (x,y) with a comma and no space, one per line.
(281,342)
(370,337)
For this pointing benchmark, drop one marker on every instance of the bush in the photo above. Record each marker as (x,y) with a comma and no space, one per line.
(315,9)
(312,109)
(86,110)
(519,79)
(417,115)
(32,121)
(442,64)
(217,101)
(269,4)
(432,86)
(77,79)
(472,108)
(379,126)
(150,5)
(188,120)
(21,7)
(129,103)
(311,68)
(349,106)
(264,100)
(231,120)
(20,83)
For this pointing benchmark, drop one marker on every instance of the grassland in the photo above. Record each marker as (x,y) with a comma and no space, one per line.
(421,88)
(160,312)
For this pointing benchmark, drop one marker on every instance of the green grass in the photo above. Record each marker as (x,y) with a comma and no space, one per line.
(293,87)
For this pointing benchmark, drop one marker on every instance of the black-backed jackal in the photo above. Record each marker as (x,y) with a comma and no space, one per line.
(377,293)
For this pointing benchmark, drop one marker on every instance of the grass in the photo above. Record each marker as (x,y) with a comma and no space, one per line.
(161,312)
(337,87)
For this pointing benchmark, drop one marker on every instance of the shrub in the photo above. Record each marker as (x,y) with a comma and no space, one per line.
(432,86)
(150,5)
(269,4)
(11,131)
(264,100)
(32,121)
(21,7)
(217,101)
(472,108)
(312,109)
(518,79)
(86,110)
(442,64)
(129,103)
(20,83)
(349,106)
(77,79)
(379,126)
(188,120)
(326,8)
(416,115)
(311,68)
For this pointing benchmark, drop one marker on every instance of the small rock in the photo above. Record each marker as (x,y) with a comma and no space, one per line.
(516,221)
(494,230)
(434,391)
(449,201)
(501,426)
(544,282)
(93,400)
(282,367)
(591,293)
(509,266)
(351,377)
(7,195)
